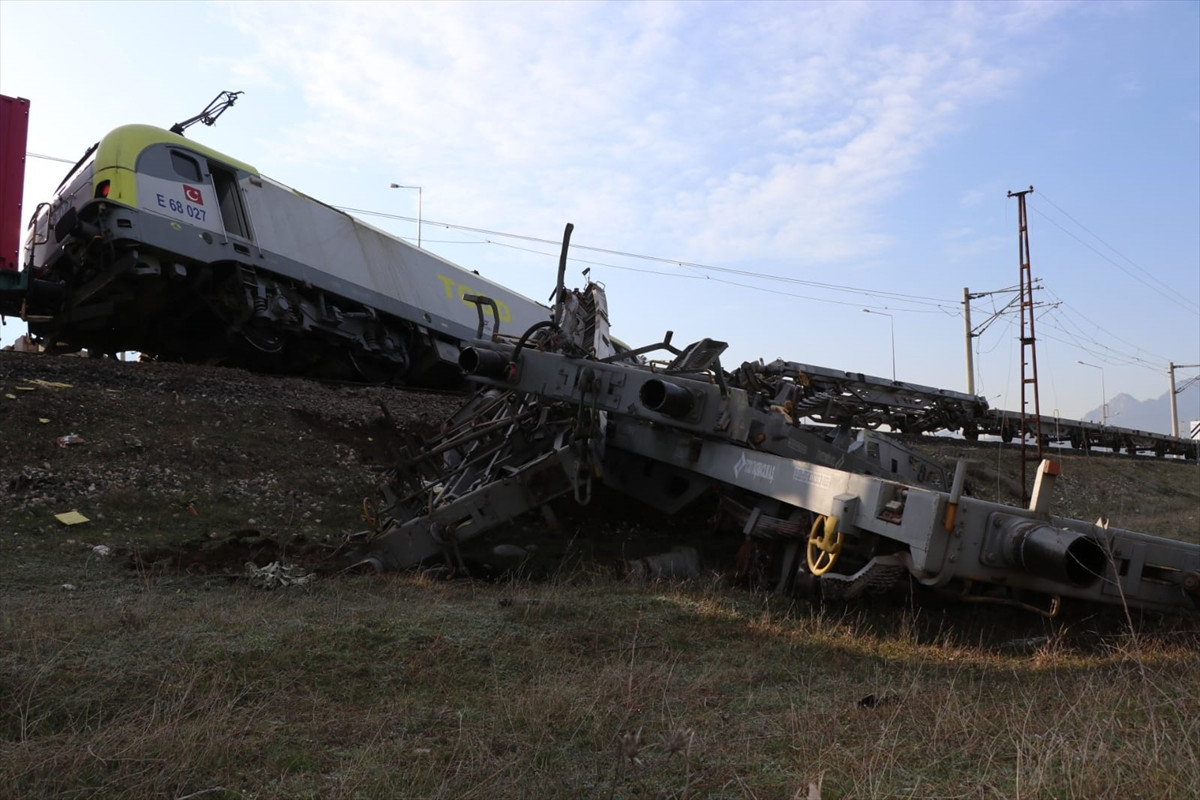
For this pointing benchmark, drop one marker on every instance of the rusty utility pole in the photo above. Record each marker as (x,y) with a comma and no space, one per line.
(1028,347)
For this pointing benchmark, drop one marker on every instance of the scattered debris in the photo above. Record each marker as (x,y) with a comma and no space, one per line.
(508,602)
(102,550)
(70,587)
(277,575)
(631,747)
(814,789)
(681,563)
(512,551)
(71,518)
(678,740)
(1026,644)
(70,439)
(875,701)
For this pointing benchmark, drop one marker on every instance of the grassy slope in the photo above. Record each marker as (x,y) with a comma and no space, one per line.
(400,688)
(173,679)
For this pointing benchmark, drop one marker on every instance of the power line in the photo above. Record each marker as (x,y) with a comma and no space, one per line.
(725,281)
(51,158)
(898,296)
(1097,327)
(1096,349)
(1097,237)
(1163,289)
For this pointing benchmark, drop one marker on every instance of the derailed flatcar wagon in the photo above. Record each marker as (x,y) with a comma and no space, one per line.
(157,244)
(819,512)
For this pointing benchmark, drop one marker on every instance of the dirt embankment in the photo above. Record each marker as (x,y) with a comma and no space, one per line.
(219,466)
(157,455)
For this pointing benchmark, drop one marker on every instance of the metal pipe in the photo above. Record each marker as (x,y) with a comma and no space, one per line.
(667,398)
(1053,553)
(485,363)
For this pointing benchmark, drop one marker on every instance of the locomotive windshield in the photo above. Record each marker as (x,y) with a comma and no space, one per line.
(186,166)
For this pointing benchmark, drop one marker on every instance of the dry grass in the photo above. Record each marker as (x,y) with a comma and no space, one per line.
(398,687)
(174,681)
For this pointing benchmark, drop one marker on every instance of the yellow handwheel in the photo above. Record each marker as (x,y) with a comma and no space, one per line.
(824,544)
(370,514)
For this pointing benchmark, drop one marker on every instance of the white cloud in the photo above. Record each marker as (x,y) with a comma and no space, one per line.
(746,131)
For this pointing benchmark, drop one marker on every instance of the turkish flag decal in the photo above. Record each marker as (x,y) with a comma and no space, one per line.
(193,195)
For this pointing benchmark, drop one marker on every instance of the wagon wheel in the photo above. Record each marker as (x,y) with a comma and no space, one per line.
(824,544)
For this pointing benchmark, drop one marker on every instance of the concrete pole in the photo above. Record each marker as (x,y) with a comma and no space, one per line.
(967,328)
(1174,407)
(1171,367)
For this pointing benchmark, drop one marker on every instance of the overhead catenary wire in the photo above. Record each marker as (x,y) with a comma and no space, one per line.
(1169,295)
(51,158)
(1150,281)
(932,305)
(725,281)
(897,296)
(1067,307)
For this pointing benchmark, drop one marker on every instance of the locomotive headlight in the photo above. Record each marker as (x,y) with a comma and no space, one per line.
(102,189)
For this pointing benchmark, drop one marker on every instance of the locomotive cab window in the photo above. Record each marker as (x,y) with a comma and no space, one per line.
(233,213)
(186,167)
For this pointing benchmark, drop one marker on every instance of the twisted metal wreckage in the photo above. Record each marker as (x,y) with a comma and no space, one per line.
(562,408)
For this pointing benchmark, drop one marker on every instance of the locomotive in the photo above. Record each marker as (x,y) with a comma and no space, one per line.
(157,244)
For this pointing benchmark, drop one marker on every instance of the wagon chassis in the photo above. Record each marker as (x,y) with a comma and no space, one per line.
(851,514)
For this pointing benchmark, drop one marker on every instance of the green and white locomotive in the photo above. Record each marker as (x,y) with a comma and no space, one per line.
(157,244)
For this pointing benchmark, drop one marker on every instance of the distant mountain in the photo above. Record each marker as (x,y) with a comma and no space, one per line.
(1151,415)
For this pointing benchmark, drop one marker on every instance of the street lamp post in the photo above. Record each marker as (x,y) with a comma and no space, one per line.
(892,322)
(1103,393)
(418,188)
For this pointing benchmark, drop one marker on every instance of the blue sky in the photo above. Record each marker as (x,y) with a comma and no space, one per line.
(784,164)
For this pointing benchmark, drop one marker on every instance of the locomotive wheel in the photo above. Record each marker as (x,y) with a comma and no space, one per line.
(372,368)
(824,544)
(262,339)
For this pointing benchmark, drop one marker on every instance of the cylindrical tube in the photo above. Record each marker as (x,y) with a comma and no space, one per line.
(486,363)
(1053,553)
(666,398)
